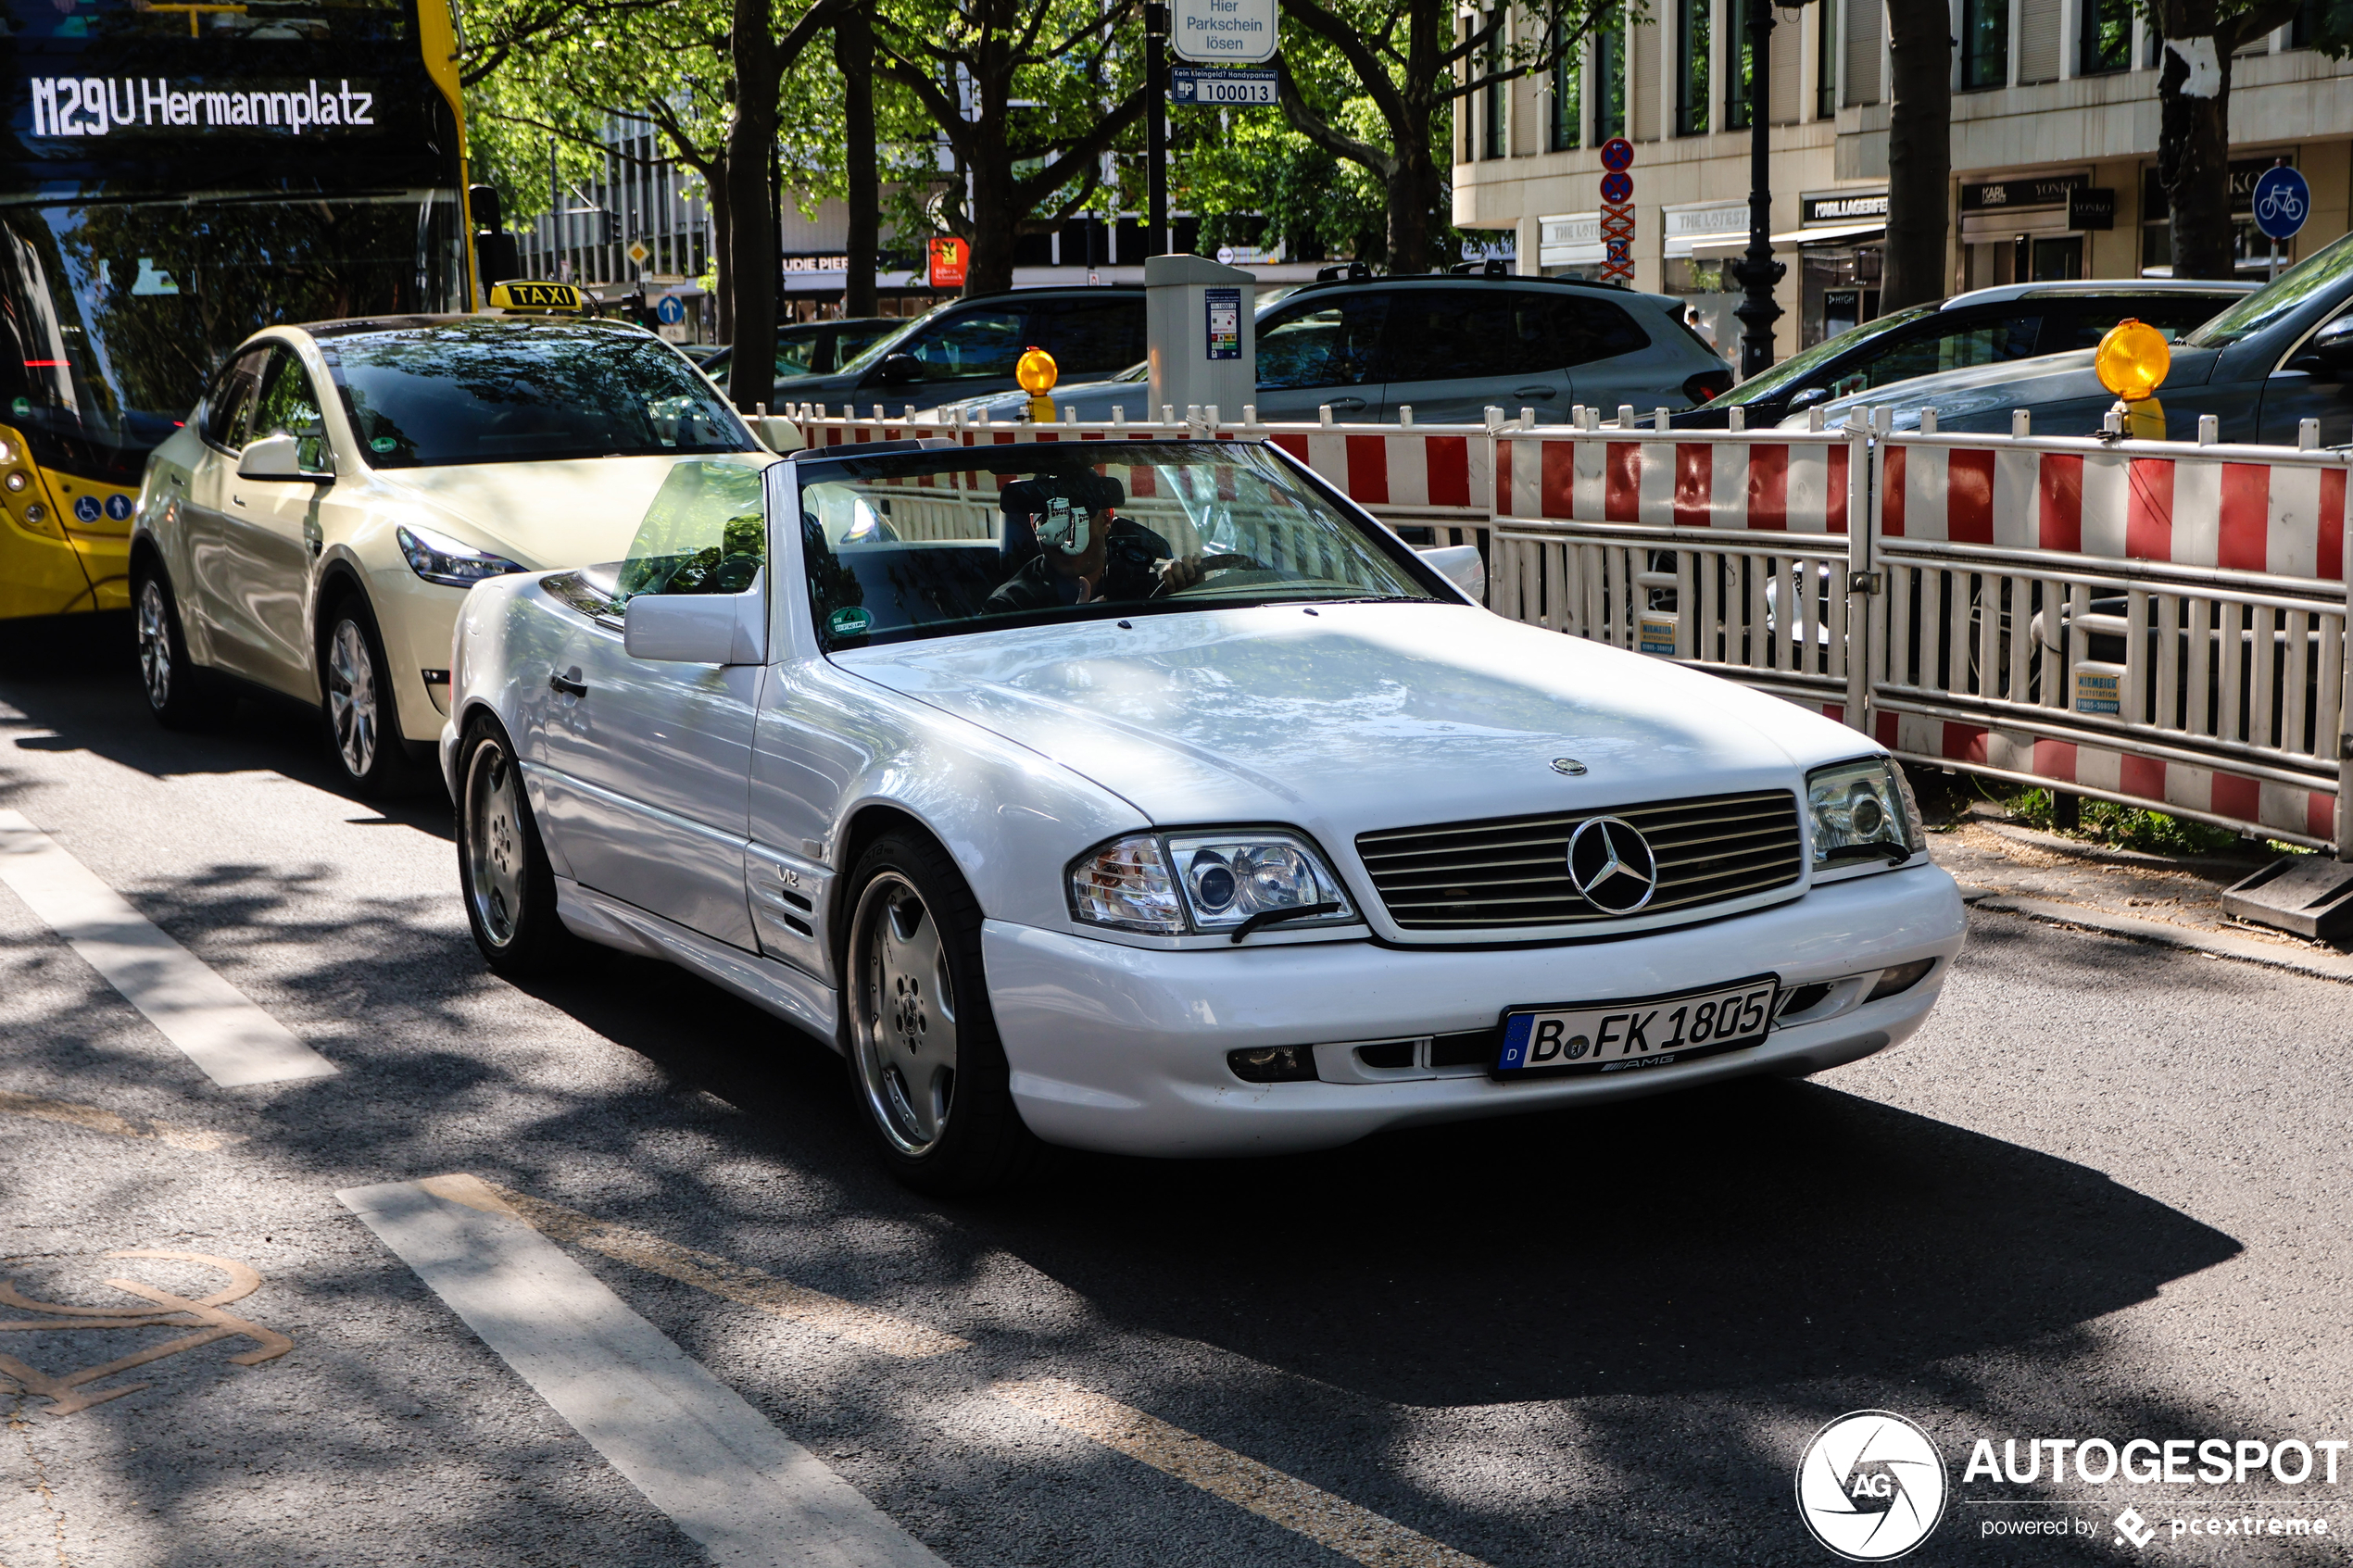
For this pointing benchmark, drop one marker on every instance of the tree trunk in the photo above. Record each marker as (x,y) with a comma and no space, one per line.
(1415,183)
(752,243)
(854,52)
(2194,139)
(1920,153)
(996,219)
(722,261)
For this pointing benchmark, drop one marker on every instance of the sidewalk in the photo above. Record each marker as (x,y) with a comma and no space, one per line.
(2007,866)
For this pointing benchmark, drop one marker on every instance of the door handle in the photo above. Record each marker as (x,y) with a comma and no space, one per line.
(570,686)
(239,500)
(1534,391)
(1347,402)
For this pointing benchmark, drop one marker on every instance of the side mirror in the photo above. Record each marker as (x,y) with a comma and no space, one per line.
(776,433)
(2328,352)
(279,457)
(1460,565)
(1808,396)
(698,628)
(900,369)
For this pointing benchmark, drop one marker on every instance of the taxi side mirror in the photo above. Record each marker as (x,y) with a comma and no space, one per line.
(1808,396)
(900,369)
(280,456)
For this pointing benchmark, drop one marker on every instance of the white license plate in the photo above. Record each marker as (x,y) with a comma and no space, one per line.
(1638,1032)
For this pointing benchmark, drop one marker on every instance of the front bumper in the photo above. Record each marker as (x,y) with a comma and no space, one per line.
(1123,1050)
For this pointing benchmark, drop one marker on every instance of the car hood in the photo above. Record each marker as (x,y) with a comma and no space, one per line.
(1356,717)
(1981,396)
(544,515)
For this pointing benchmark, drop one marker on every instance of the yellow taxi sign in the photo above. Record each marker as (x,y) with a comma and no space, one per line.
(2133,359)
(521,299)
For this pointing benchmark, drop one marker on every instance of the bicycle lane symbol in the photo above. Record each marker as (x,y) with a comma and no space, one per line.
(166,1310)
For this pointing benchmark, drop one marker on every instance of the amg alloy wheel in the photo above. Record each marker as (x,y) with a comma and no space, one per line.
(502,866)
(905,1023)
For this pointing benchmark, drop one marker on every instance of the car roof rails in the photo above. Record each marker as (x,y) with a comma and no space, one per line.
(1346,272)
(1494,267)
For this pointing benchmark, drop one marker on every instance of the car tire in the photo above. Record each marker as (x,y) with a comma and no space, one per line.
(924,1059)
(355,695)
(504,876)
(180,695)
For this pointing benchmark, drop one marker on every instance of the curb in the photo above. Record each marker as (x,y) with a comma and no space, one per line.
(2107,855)
(2319,966)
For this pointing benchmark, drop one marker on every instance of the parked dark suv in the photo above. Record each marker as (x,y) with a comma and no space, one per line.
(1984,327)
(968,348)
(1449,345)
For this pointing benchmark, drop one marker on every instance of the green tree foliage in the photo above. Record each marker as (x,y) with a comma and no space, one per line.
(1411,61)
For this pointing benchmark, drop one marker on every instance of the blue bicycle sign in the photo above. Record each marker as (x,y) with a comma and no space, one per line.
(2282,202)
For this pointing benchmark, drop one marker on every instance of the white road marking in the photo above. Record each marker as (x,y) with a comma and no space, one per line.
(726,1478)
(221,1032)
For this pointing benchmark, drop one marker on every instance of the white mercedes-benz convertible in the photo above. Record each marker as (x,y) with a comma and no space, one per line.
(1149,796)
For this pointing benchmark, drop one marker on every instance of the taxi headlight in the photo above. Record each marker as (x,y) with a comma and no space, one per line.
(1204,882)
(1862,811)
(439,559)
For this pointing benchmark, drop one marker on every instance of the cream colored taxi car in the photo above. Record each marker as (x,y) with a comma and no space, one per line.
(314,527)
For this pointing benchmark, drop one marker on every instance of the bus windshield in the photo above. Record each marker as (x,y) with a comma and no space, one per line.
(117,311)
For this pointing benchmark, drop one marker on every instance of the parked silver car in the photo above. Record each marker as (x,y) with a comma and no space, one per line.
(1446,345)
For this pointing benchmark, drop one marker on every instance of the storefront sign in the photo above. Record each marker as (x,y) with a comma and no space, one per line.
(2003,195)
(2091,206)
(1689,225)
(2245,173)
(1843,207)
(949,255)
(1571,240)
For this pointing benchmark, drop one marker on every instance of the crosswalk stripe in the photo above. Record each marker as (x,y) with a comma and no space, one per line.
(234,1042)
(750,1494)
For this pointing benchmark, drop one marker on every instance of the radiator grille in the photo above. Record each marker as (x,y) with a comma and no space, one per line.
(1514,870)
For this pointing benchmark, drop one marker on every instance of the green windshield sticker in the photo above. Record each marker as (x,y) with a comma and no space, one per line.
(384,443)
(22,407)
(850,621)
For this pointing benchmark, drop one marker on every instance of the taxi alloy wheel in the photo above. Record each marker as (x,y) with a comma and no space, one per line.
(362,722)
(924,1053)
(179,695)
(502,866)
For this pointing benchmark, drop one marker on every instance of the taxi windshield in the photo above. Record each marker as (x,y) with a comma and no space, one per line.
(910,544)
(492,391)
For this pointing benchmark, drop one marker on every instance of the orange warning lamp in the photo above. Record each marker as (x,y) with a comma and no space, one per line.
(1036,372)
(2133,359)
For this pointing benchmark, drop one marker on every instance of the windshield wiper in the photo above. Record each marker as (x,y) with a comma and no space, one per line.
(1275,917)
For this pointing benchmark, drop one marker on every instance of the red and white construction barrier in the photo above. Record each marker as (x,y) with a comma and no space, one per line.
(1776,482)
(2245,509)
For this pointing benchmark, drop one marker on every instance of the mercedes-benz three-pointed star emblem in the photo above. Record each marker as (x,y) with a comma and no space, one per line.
(1611,864)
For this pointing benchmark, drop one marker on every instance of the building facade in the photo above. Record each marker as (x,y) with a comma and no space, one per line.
(2055,141)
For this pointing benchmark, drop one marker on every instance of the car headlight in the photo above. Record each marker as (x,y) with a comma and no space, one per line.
(1170,883)
(1862,811)
(436,558)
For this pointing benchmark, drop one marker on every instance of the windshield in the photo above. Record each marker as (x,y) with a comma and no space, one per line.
(120,310)
(876,353)
(1797,367)
(2327,272)
(922,545)
(483,390)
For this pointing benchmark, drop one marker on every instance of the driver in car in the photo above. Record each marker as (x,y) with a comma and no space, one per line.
(1074,548)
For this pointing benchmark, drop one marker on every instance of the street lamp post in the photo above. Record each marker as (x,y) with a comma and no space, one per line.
(1757,271)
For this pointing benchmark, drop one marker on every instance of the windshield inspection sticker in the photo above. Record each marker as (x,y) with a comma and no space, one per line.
(850,621)
(384,443)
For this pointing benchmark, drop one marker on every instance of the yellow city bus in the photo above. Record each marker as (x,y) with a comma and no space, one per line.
(179,175)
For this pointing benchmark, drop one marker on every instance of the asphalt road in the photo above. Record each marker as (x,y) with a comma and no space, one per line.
(2104,1193)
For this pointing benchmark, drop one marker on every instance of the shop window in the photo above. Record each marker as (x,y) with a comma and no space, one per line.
(1862,17)
(1690,67)
(1825,32)
(1985,43)
(2105,44)
(1495,118)
(1741,59)
(1568,102)
(1609,80)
